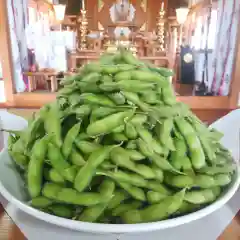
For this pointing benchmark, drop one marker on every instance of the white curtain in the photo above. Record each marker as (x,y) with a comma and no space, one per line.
(224,51)
(18,18)
(221,39)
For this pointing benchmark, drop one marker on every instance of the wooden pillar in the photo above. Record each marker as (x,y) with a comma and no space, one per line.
(6,53)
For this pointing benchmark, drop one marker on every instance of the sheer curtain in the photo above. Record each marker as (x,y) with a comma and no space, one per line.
(224,51)
(18,18)
(214,67)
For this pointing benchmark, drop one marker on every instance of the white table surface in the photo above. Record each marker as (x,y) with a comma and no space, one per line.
(207,228)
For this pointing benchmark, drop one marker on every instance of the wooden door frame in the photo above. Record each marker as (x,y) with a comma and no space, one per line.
(36,100)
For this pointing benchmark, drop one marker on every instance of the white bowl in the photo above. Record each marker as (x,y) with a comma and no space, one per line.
(12,188)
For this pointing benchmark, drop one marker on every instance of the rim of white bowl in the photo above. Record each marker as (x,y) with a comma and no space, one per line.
(123,228)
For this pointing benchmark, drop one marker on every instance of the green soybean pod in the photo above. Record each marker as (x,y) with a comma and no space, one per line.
(135,192)
(165,129)
(87,147)
(156,212)
(168,95)
(204,181)
(52,122)
(106,78)
(119,137)
(81,111)
(69,140)
(92,68)
(119,210)
(145,76)
(91,77)
(61,210)
(91,214)
(51,190)
(119,196)
(53,176)
(35,167)
(101,112)
(85,174)
(117,98)
(130,59)
(91,98)
(126,75)
(106,165)
(187,208)
(88,87)
(76,157)
(138,119)
(134,154)
(147,137)
(119,129)
(163,163)
(202,196)
(19,158)
(60,164)
(158,173)
(158,187)
(41,202)
(196,152)
(130,131)
(71,196)
(149,97)
(155,197)
(147,172)
(213,170)
(144,148)
(222,179)
(131,145)
(134,85)
(179,181)
(108,123)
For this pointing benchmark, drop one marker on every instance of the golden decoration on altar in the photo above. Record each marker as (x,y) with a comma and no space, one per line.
(161,29)
(83,30)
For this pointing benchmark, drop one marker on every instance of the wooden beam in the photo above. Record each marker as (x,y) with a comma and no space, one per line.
(6,53)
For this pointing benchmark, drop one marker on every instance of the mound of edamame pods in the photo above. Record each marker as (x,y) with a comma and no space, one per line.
(116,147)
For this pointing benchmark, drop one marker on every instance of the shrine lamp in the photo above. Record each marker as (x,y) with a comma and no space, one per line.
(59,11)
(182,14)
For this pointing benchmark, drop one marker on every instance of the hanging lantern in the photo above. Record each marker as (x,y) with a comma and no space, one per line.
(182,13)
(59,11)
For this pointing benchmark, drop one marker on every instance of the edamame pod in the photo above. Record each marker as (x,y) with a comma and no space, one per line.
(108,123)
(155,197)
(202,196)
(35,167)
(85,174)
(41,202)
(69,140)
(71,196)
(60,164)
(156,212)
(86,147)
(125,207)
